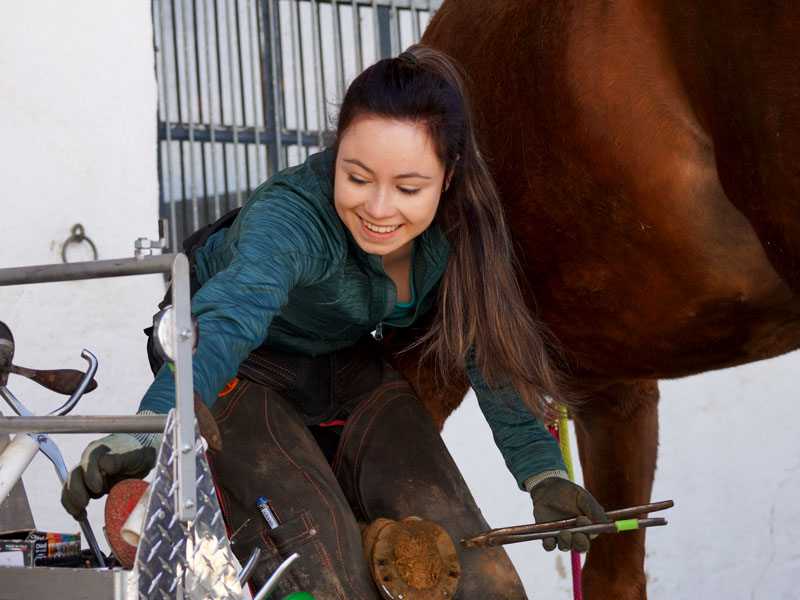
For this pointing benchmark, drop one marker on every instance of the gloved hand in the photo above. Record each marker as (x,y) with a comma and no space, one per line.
(103,463)
(556,498)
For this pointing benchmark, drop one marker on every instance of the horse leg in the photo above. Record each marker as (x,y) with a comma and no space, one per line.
(617,431)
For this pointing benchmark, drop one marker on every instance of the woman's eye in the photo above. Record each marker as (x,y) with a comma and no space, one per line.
(409,191)
(356,180)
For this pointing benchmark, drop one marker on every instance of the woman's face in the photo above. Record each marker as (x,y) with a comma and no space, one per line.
(388,183)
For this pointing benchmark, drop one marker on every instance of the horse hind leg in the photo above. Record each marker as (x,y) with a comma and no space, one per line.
(617,431)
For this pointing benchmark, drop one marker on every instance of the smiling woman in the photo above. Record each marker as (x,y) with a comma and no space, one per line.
(388,183)
(398,221)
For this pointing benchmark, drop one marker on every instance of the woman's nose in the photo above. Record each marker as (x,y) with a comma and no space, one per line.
(379,206)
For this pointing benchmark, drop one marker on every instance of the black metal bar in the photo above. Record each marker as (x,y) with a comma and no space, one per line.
(198,74)
(267,85)
(221,108)
(300,55)
(163,208)
(180,132)
(181,157)
(419,4)
(384,32)
(241,87)
(175,58)
(200,114)
(280,109)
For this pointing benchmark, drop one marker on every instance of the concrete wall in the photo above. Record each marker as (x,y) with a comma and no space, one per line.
(77,115)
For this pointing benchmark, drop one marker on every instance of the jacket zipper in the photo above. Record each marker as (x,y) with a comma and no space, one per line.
(390,298)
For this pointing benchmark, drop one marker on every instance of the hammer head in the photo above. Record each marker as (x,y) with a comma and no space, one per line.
(6,352)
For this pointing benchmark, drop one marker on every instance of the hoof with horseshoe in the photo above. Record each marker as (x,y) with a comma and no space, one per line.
(411,559)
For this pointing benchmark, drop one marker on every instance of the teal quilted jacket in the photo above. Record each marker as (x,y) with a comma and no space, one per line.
(288,273)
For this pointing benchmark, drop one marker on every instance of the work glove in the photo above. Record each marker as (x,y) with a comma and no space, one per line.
(105,462)
(556,498)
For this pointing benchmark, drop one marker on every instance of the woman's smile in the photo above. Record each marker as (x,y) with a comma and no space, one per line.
(378,232)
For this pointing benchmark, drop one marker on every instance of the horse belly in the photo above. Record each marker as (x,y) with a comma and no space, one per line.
(674,282)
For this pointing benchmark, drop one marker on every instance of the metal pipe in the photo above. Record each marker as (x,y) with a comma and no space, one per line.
(337,50)
(187,73)
(173,220)
(234,122)
(85,424)
(219,31)
(249,566)
(245,135)
(376,28)
(273,580)
(415,23)
(115,267)
(260,170)
(180,104)
(14,459)
(276,63)
(184,430)
(202,177)
(394,28)
(303,96)
(242,94)
(297,61)
(211,110)
(240,61)
(357,36)
(319,84)
(319,80)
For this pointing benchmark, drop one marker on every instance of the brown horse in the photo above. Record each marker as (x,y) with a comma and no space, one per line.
(647,152)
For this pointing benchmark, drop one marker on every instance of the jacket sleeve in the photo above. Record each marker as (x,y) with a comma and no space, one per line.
(278,248)
(527,447)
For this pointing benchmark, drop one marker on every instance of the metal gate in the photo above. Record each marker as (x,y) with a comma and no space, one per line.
(248,87)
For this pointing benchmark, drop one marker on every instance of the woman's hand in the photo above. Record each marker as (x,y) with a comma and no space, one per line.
(104,462)
(555,498)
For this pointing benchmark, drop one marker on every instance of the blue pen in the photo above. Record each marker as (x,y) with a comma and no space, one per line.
(265,508)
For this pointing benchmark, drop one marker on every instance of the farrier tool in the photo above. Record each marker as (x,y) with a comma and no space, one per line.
(46,445)
(61,381)
(624,519)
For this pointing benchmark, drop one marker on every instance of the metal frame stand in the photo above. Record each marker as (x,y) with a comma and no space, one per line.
(184,551)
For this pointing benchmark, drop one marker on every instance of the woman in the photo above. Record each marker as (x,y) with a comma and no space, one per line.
(397,219)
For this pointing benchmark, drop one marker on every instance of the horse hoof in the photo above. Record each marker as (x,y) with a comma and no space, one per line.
(412,559)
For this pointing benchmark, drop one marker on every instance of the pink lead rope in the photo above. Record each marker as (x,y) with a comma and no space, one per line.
(577,586)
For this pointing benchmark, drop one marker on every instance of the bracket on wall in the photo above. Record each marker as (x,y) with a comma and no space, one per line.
(77,236)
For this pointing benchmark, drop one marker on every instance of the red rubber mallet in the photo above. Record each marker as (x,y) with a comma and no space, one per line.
(121,501)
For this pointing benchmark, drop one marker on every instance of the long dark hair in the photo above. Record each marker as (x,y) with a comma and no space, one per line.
(480,305)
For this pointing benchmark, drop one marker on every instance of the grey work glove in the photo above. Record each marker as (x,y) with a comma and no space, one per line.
(556,498)
(103,463)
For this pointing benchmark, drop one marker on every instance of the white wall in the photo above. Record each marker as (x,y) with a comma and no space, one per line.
(77,116)
(729,456)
